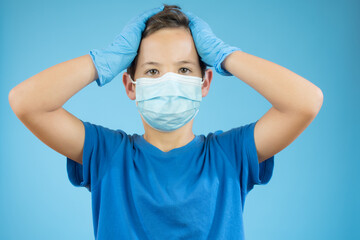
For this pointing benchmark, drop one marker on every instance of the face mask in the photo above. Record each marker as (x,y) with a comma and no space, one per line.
(168,102)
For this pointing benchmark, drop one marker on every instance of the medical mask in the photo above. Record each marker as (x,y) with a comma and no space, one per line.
(168,102)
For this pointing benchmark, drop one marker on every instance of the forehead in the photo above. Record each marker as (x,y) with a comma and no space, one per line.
(168,44)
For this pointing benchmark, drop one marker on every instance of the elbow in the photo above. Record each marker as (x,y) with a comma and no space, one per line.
(11,98)
(14,102)
(316,104)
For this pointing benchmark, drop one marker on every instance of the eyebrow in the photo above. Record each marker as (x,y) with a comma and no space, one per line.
(158,64)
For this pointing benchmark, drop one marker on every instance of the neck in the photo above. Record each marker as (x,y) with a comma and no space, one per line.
(166,141)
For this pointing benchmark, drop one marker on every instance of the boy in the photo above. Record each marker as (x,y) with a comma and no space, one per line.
(167,183)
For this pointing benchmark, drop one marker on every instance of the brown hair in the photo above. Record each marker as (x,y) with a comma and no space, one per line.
(169,17)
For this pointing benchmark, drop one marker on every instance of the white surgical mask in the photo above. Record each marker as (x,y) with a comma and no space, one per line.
(168,102)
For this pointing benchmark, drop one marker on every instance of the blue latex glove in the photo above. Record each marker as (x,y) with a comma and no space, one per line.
(211,49)
(117,56)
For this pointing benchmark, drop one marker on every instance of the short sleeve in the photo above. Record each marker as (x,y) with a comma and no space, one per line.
(252,172)
(239,145)
(99,144)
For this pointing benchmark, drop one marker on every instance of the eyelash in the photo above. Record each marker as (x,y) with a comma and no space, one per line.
(156,70)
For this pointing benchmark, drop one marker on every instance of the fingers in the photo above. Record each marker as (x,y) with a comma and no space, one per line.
(190,16)
(196,21)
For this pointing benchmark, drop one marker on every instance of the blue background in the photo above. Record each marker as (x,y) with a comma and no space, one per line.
(314,191)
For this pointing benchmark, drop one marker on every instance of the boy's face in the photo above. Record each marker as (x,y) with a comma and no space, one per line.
(165,49)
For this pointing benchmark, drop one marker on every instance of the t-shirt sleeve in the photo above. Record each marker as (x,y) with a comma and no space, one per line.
(99,145)
(239,145)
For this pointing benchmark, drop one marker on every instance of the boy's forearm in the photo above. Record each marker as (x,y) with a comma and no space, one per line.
(51,88)
(285,90)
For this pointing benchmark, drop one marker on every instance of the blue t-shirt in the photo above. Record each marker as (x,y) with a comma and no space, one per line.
(192,192)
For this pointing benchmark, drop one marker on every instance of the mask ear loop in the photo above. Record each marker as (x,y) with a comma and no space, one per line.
(132,80)
(203,80)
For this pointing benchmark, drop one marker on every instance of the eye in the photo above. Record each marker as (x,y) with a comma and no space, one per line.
(151,71)
(186,70)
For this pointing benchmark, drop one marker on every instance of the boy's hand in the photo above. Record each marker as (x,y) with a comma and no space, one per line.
(117,56)
(211,49)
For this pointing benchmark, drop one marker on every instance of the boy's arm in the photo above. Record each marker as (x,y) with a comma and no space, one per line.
(295,101)
(38,102)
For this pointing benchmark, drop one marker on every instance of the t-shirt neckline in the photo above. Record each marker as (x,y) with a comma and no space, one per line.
(159,153)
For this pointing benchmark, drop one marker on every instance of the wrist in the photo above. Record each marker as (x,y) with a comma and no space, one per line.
(223,65)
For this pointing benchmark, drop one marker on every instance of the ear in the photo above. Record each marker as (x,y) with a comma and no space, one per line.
(129,86)
(207,81)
